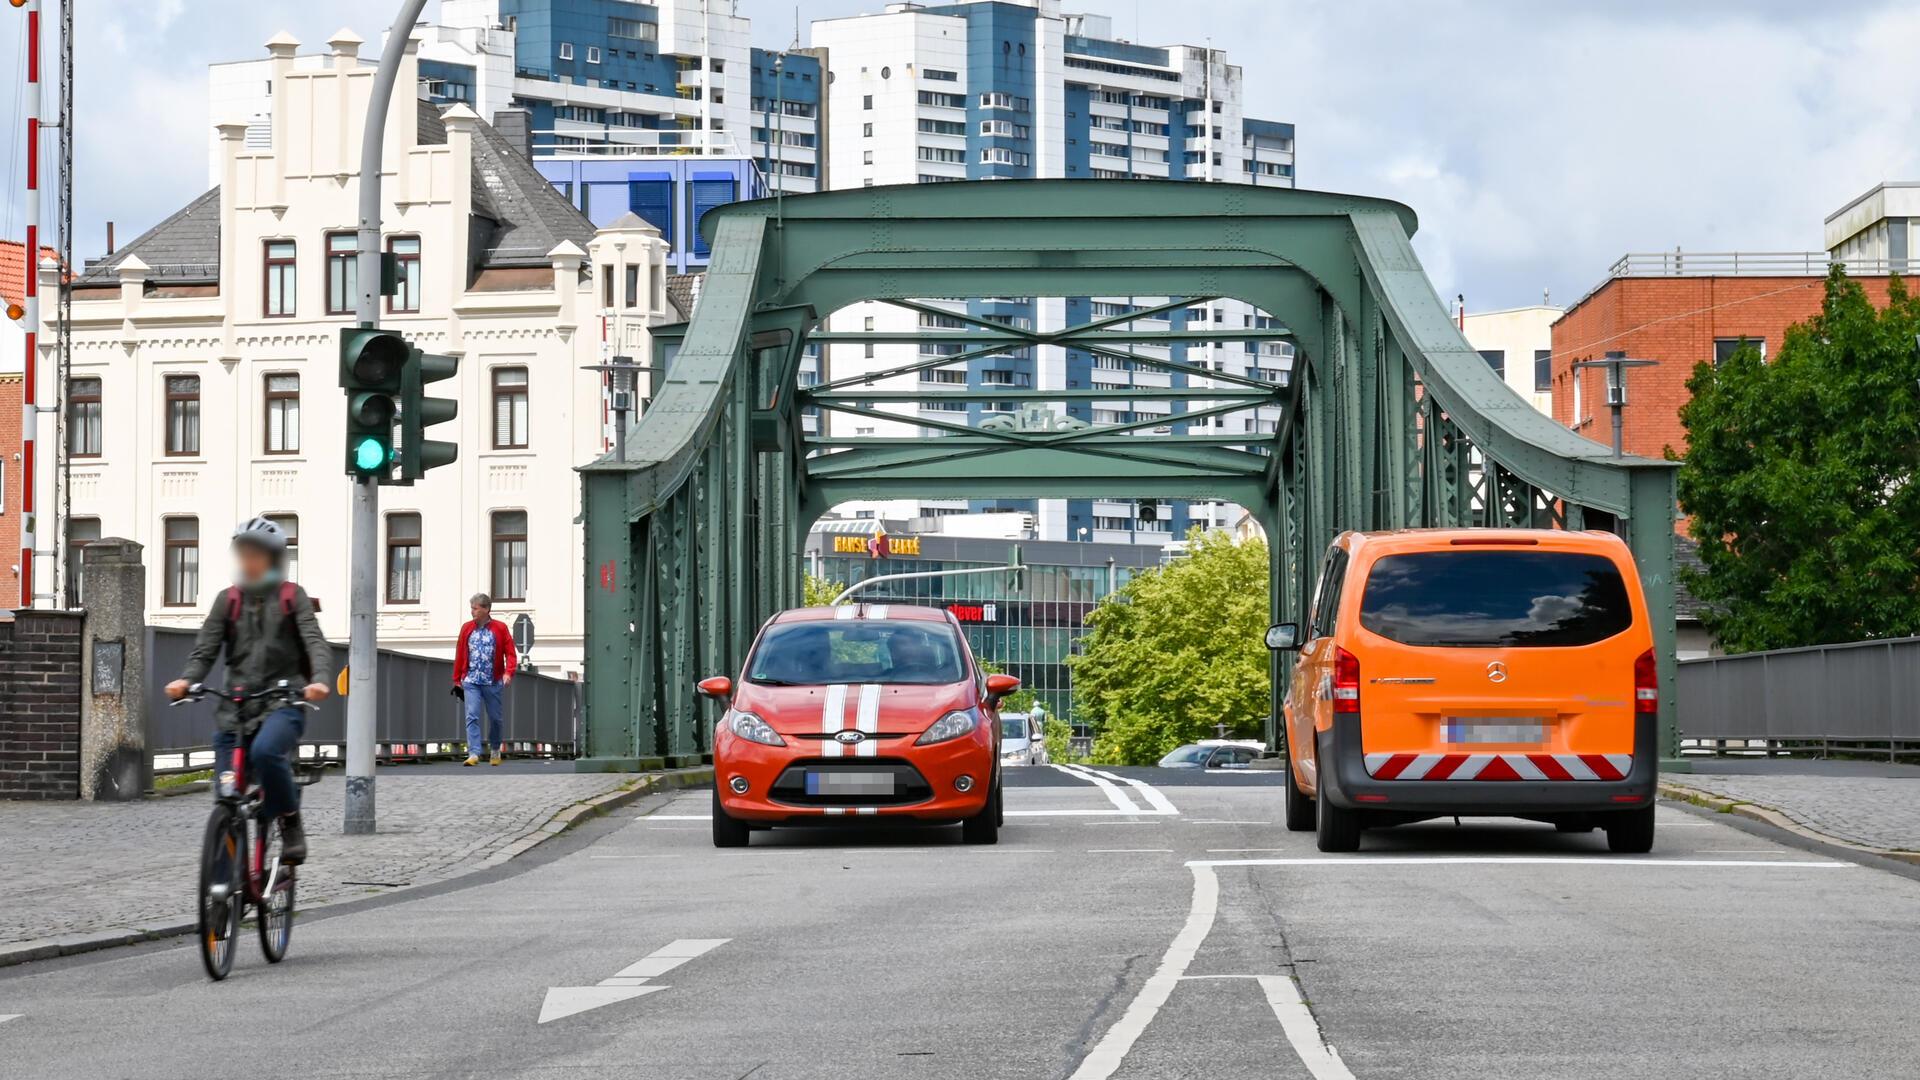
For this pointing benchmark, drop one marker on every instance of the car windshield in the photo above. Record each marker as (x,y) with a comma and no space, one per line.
(863,651)
(1013,727)
(1186,755)
(1496,598)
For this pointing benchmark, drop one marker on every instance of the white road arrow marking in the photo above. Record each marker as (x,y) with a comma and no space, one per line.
(626,984)
(4,1017)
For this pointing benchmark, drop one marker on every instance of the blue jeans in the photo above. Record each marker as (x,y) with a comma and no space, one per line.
(272,756)
(489,697)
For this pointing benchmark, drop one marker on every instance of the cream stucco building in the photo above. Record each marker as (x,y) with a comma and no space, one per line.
(1518,343)
(205,363)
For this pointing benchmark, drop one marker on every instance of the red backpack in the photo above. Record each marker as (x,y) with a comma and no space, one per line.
(286,608)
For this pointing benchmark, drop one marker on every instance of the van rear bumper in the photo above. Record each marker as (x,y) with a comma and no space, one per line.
(1344,782)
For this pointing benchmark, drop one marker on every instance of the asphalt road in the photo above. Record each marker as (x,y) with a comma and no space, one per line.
(1169,928)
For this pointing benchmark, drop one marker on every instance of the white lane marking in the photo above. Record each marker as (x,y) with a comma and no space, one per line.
(1215,821)
(1011,851)
(1102,812)
(628,983)
(1243,850)
(1107,787)
(833,716)
(1107,1054)
(1147,791)
(1129,821)
(867,719)
(1517,860)
(1302,1029)
(633,856)
(1740,851)
(4,1017)
(1130,851)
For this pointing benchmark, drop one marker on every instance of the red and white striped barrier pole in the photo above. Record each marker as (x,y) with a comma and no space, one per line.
(30,397)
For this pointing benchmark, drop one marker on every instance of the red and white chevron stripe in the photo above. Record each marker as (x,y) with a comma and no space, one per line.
(1499,766)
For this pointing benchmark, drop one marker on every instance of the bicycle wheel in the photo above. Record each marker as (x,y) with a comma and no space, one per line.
(222,889)
(275,917)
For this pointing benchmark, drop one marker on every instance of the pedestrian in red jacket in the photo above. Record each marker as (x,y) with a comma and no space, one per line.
(483,663)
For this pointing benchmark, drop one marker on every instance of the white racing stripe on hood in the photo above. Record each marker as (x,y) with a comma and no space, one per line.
(876,611)
(845,612)
(867,719)
(833,718)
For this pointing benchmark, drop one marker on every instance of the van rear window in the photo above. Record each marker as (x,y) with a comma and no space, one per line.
(1467,599)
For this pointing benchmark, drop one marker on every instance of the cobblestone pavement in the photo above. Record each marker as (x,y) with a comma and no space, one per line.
(75,869)
(1877,806)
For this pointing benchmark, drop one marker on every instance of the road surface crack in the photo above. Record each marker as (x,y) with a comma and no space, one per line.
(1083,1039)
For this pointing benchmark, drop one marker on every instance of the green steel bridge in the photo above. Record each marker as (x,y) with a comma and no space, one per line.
(1391,419)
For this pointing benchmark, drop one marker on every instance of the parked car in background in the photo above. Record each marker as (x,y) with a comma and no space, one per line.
(1215,754)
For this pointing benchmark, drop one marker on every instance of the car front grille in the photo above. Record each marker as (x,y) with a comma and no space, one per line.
(909,786)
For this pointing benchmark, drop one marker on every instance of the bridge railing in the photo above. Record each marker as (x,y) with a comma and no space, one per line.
(1853,697)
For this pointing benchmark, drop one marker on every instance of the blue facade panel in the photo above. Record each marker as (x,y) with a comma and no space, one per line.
(670,193)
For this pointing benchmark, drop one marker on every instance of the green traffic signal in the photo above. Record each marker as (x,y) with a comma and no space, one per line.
(372,365)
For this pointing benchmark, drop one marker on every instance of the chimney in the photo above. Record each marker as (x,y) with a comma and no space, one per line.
(516,126)
(110,248)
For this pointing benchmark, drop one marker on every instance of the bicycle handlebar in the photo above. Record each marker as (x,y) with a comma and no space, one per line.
(285,688)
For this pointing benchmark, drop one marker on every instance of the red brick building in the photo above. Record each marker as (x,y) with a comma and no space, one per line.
(11,387)
(1677,310)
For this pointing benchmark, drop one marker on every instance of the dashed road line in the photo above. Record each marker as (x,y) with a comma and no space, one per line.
(1356,862)
(1130,851)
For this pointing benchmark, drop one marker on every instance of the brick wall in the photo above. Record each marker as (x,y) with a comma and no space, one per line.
(1674,321)
(40,705)
(11,388)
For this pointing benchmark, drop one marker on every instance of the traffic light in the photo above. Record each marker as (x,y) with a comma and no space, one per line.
(419,412)
(1149,510)
(371,362)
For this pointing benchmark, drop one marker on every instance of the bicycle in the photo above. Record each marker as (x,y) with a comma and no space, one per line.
(235,869)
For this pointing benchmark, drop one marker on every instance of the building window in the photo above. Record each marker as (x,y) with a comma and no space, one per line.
(83,417)
(406,253)
(182,565)
(510,555)
(1496,359)
(510,408)
(343,272)
(1542,371)
(593,54)
(566,50)
(403,558)
(80,532)
(183,415)
(289,524)
(866,131)
(866,102)
(633,286)
(282,401)
(1724,348)
(281,283)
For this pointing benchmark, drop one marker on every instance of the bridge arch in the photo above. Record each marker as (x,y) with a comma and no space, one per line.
(1389,419)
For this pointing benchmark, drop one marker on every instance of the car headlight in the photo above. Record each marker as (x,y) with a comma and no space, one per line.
(951,726)
(753,729)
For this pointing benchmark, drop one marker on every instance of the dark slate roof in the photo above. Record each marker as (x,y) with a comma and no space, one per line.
(523,217)
(184,248)
(682,291)
(530,215)
(1686,556)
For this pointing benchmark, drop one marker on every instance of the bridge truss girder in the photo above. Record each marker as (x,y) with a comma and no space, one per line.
(1391,419)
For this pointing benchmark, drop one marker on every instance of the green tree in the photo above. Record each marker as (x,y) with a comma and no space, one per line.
(1020,700)
(1176,651)
(1800,479)
(816,591)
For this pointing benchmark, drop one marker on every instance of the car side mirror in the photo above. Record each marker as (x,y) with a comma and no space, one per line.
(1283,636)
(999,686)
(719,688)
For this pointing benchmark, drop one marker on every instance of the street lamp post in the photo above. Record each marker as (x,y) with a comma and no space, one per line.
(1616,365)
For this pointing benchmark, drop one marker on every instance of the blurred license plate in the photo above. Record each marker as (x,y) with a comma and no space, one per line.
(1471,730)
(849,783)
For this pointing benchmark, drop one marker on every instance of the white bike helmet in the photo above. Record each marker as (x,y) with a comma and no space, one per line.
(263,534)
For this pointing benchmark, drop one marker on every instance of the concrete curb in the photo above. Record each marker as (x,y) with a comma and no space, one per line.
(1772,818)
(28,951)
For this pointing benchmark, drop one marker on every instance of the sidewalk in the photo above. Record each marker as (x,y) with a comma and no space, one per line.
(75,875)
(1861,804)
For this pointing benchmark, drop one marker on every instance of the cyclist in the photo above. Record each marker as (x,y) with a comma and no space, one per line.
(267,626)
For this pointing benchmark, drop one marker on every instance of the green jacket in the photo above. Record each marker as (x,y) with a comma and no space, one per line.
(264,644)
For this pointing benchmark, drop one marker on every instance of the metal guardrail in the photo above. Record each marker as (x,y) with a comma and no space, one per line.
(419,718)
(1858,697)
(1745,264)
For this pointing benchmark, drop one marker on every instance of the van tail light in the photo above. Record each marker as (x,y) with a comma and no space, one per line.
(1646,684)
(1346,681)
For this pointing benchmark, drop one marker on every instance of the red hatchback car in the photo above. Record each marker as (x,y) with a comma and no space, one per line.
(860,712)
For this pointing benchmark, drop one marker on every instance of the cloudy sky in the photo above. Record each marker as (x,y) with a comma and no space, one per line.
(1537,139)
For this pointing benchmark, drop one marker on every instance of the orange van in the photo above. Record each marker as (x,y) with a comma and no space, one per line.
(1473,672)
